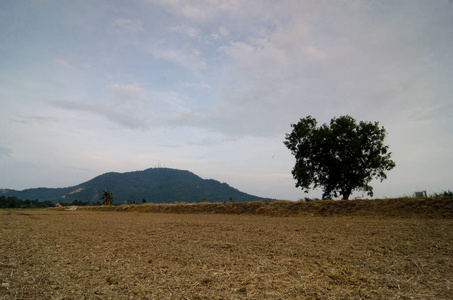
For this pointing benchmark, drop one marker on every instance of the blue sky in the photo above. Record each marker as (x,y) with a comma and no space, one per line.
(88,87)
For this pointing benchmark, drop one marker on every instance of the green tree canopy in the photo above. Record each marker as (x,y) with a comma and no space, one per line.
(341,157)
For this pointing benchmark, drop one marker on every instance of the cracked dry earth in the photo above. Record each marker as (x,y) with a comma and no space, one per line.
(51,254)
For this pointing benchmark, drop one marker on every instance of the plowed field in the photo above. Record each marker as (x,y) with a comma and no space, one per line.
(57,254)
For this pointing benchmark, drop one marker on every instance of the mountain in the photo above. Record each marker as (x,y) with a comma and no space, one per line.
(156,185)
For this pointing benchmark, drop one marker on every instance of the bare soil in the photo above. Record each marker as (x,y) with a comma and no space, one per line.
(82,254)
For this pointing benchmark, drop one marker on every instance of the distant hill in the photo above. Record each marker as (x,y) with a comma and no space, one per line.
(155,185)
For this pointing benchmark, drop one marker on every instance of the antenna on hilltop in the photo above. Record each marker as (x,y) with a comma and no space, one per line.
(159,165)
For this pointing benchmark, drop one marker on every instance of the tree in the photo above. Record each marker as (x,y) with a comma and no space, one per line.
(341,157)
(107,197)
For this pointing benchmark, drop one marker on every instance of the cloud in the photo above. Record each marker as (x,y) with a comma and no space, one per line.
(289,64)
(128,92)
(63,63)
(283,48)
(202,85)
(126,25)
(34,120)
(133,107)
(188,30)
(315,54)
(127,107)
(5,152)
(190,59)
(212,141)
(242,12)
(125,117)
(224,31)
(434,112)
(199,10)
(231,121)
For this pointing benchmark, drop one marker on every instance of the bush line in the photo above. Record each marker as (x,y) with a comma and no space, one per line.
(436,207)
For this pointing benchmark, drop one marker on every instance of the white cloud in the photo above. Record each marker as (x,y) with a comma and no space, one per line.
(188,30)
(315,54)
(132,107)
(63,63)
(189,59)
(128,92)
(40,120)
(126,25)
(125,117)
(223,31)
(279,51)
(202,85)
(128,106)
(199,10)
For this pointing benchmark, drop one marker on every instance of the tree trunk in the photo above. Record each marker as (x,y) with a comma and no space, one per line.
(346,194)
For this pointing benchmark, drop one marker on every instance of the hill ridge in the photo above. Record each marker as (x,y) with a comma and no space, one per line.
(155,185)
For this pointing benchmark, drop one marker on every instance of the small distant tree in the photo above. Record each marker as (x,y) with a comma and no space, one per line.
(107,197)
(341,157)
(143,201)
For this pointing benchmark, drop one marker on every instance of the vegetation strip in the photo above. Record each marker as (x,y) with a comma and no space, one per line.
(436,207)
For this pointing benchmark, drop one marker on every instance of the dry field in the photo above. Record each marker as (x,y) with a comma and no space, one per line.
(82,254)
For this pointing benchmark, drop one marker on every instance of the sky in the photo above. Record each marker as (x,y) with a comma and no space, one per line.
(213,86)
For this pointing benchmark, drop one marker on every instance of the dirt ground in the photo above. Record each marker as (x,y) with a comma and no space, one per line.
(51,254)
